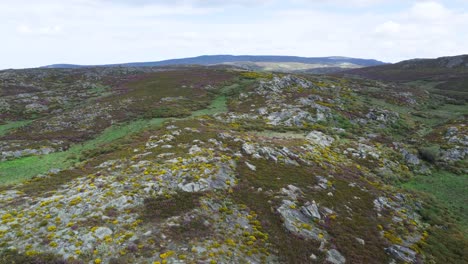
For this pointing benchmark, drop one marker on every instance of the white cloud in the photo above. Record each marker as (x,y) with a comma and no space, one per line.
(39,31)
(388,27)
(429,11)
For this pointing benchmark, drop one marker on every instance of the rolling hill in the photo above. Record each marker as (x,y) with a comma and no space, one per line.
(446,76)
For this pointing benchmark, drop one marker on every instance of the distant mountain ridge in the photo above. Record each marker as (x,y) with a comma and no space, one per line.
(333,61)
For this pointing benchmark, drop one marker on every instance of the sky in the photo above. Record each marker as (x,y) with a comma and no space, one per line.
(42,32)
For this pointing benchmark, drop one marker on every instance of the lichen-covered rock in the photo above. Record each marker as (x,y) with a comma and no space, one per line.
(101,232)
(290,117)
(278,84)
(319,138)
(402,253)
(298,223)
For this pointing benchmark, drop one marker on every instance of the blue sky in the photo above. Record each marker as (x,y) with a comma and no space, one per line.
(44,32)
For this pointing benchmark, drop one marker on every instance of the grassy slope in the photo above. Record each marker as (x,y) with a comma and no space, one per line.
(15,171)
(450,189)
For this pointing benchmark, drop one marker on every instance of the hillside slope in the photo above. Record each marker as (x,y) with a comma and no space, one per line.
(445,76)
(219,165)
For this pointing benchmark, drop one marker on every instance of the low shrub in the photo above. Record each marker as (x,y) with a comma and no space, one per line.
(430,153)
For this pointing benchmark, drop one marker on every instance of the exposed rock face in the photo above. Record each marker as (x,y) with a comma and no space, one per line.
(363,151)
(278,84)
(320,139)
(249,149)
(299,223)
(402,253)
(454,154)
(381,203)
(25,152)
(290,117)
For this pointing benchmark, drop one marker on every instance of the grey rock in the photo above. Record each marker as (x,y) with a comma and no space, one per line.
(291,191)
(402,253)
(35,108)
(194,149)
(319,138)
(278,84)
(102,232)
(410,158)
(296,222)
(262,111)
(454,154)
(335,257)
(310,209)
(290,117)
(249,149)
(381,203)
(192,187)
(451,131)
(250,166)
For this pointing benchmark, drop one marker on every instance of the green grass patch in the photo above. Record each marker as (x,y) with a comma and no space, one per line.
(15,171)
(447,188)
(4,129)
(218,105)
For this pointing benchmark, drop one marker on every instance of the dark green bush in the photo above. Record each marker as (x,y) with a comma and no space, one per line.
(430,153)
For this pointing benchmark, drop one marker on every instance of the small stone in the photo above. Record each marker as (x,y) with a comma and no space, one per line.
(251,167)
(360,241)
